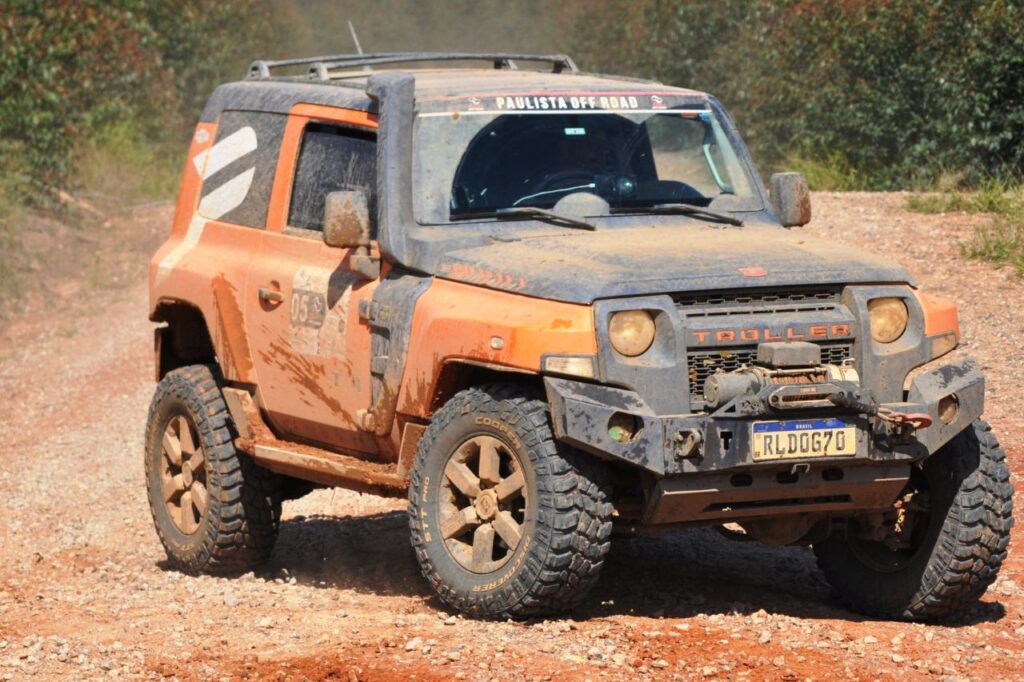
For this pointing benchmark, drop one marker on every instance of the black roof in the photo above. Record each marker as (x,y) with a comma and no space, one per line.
(341,81)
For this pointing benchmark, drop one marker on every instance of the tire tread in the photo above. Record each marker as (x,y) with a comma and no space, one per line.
(574,510)
(973,541)
(245,498)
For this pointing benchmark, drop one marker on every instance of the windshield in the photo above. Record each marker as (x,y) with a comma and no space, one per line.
(472,163)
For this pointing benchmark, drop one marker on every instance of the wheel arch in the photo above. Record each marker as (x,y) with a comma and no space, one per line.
(184,337)
(461,373)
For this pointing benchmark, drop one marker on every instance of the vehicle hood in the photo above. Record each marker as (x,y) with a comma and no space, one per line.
(580,267)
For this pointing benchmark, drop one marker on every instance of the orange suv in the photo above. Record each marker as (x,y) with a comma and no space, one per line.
(540,303)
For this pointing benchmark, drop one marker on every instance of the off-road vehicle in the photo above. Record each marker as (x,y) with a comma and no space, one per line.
(541,302)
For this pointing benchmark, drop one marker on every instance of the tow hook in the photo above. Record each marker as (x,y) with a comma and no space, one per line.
(913,420)
(905,422)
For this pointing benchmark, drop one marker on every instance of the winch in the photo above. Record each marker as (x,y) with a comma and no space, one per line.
(795,367)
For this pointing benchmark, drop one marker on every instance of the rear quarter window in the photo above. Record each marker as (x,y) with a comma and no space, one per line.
(238,171)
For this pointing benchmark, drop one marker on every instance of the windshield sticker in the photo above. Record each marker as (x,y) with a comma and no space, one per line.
(578,102)
(574,102)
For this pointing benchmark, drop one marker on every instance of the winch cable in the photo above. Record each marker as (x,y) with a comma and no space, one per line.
(913,420)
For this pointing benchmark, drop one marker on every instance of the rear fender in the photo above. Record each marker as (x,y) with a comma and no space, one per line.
(183,340)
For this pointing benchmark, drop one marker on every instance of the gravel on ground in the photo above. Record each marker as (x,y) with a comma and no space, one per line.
(85,592)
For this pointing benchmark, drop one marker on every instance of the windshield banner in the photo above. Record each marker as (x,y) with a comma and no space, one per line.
(567,101)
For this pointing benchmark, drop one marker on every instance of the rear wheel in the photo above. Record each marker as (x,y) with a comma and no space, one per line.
(505,521)
(215,510)
(941,544)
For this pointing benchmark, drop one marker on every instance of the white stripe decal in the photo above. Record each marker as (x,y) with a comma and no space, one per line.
(195,231)
(199,161)
(231,148)
(228,196)
(220,201)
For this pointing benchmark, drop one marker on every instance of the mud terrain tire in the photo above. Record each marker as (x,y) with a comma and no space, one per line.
(967,530)
(564,513)
(236,527)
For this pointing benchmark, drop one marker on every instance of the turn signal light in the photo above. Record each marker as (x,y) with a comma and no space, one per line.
(943,344)
(572,365)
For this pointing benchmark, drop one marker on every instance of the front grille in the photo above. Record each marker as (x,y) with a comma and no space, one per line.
(743,301)
(704,363)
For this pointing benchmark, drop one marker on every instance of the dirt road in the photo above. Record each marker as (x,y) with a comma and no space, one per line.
(85,592)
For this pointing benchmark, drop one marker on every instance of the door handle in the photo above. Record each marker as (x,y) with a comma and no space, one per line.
(271,295)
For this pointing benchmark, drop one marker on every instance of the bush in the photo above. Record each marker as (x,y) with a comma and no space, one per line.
(120,165)
(72,71)
(892,93)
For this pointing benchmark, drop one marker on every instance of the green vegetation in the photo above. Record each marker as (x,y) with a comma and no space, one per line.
(75,76)
(118,166)
(1000,241)
(992,196)
(98,97)
(887,94)
(873,94)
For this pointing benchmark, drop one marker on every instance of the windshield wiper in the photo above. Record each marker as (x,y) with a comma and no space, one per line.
(681,209)
(531,212)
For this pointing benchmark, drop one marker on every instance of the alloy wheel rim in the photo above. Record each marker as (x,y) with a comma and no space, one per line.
(183,475)
(483,504)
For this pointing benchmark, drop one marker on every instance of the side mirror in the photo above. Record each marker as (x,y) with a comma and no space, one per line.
(347,224)
(347,219)
(791,199)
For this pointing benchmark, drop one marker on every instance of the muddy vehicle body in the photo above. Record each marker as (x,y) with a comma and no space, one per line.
(542,303)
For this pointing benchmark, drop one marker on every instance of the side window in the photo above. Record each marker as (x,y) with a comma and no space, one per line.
(331,158)
(238,171)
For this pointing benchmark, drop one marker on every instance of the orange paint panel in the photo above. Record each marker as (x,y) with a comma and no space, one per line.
(204,263)
(458,321)
(188,199)
(939,315)
(350,116)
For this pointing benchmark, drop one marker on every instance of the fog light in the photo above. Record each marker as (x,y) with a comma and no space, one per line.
(949,408)
(888,317)
(622,427)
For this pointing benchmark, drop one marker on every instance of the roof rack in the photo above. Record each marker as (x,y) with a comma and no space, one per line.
(320,67)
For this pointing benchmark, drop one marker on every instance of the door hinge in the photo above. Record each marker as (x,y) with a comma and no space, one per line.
(373,312)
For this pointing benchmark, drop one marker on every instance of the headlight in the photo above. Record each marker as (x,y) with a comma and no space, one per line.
(888,319)
(631,332)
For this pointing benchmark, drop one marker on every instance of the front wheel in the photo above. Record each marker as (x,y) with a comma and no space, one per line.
(941,544)
(505,521)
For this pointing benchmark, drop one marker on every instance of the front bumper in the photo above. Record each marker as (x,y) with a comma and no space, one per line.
(718,477)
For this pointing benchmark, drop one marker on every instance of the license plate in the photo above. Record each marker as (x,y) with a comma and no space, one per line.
(803,438)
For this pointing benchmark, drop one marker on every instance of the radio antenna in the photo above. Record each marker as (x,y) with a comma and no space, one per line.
(355,38)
